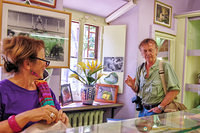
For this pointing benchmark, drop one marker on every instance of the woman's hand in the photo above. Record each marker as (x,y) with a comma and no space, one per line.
(131,83)
(63,117)
(46,113)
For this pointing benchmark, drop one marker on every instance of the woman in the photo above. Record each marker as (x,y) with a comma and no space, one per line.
(24,99)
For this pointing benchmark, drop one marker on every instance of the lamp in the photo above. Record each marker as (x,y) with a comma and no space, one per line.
(120,11)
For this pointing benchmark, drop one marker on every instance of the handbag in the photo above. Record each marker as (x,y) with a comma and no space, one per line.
(174,105)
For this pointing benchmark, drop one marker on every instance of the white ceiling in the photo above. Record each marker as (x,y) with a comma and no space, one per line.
(101,8)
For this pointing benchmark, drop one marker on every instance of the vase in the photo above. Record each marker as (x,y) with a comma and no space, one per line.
(87,94)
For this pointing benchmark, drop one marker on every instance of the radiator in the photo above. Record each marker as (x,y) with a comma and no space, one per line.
(85,118)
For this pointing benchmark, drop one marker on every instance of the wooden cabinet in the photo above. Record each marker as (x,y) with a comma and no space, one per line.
(188,59)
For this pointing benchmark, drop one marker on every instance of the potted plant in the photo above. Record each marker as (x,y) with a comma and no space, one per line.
(86,75)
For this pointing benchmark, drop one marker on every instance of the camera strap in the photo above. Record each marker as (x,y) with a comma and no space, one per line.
(140,69)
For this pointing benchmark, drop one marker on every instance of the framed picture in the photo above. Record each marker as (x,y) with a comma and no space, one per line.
(113,64)
(106,93)
(50,3)
(51,26)
(162,14)
(66,94)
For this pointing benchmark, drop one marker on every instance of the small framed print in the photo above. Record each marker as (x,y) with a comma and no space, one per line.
(162,14)
(66,94)
(50,3)
(106,93)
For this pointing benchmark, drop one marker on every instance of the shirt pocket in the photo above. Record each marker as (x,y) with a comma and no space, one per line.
(155,88)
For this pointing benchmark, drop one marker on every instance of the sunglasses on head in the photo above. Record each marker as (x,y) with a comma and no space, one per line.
(47,62)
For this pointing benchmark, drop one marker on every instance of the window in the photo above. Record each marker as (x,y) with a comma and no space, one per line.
(73,57)
(89,50)
(90,42)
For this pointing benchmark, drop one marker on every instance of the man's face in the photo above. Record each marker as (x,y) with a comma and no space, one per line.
(149,52)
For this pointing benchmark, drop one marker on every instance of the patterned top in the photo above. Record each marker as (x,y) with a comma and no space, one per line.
(150,89)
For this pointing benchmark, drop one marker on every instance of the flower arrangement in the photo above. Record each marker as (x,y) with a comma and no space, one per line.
(88,70)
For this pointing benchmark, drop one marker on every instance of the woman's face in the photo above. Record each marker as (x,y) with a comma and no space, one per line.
(149,52)
(39,66)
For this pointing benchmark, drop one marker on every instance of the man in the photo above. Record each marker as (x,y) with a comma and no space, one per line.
(148,83)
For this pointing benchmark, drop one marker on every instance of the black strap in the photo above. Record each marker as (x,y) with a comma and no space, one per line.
(140,74)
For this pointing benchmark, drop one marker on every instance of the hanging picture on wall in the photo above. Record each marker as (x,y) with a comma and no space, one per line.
(53,29)
(113,64)
(106,93)
(50,3)
(162,14)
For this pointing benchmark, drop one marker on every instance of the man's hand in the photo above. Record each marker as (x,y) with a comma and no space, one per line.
(131,83)
(155,110)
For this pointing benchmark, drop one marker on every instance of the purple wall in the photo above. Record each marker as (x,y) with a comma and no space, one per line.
(139,21)
(131,20)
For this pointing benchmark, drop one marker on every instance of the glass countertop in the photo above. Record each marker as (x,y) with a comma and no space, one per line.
(183,121)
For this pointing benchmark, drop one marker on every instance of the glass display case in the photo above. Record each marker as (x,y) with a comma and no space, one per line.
(184,121)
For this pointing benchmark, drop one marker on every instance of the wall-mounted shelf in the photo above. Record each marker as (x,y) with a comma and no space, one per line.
(193,88)
(195,52)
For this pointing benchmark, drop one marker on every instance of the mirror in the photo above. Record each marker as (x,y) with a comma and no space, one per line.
(166,44)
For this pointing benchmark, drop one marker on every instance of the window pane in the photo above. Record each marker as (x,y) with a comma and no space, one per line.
(89,44)
(74,39)
(91,54)
(92,29)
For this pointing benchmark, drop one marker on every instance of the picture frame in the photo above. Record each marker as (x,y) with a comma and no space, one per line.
(106,93)
(113,64)
(50,25)
(162,14)
(49,3)
(66,94)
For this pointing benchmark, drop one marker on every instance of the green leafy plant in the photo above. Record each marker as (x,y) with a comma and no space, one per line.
(88,71)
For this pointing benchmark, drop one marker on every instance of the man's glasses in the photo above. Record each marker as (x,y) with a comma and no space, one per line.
(47,62)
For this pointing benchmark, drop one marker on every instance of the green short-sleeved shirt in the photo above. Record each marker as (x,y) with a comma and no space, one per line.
(150,89)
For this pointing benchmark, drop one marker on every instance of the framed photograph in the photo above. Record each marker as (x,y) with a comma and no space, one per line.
(162,14)
(66,94)
(113,64)
(50,3)
(106,93)
(51,26)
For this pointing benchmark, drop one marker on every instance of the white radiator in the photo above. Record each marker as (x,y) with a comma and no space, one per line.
(85,118)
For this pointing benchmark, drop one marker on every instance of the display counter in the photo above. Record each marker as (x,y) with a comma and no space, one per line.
(184,121)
